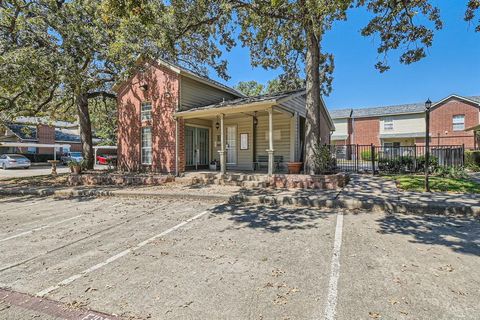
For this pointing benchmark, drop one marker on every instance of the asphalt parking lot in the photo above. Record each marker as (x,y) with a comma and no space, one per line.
(191,259)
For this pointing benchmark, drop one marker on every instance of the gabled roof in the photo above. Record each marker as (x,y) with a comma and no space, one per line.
(410,108)
(184,72)
(191,74)
(23,132)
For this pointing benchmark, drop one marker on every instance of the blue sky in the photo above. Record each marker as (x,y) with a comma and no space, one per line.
(452,64)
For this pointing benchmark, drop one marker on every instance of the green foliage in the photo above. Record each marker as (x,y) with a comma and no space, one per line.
(396,164)
(283,83)
(433,163)
(250,88)
(366,155)
(472,160)
(323,160)
(451,172)
(472,7)
(437,184)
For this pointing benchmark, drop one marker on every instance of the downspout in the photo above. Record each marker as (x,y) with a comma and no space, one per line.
(176,147)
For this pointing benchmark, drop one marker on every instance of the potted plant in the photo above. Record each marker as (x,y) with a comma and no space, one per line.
(294,167)
(213,165)
(75,167)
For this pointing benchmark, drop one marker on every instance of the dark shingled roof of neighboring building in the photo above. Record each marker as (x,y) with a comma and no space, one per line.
(24,132)
(66,136)
(385,111)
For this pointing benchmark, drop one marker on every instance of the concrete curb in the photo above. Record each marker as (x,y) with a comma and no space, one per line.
(113,193)
(375,205)
(341,202)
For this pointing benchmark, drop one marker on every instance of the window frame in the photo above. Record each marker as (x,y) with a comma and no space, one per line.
(388,121)
(144,148)
(146,115)
(458,123)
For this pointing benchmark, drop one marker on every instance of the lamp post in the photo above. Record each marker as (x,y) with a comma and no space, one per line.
(428,105)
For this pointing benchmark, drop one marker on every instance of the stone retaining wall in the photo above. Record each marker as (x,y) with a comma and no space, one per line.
(91,179)
(303,181)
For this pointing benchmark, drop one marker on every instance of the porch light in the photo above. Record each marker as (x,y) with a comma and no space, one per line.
(217,125)
(255,121)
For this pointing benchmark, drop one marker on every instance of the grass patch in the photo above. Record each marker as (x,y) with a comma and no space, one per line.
(437,184)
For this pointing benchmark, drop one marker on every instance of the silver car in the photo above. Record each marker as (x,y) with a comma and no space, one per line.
(8,161)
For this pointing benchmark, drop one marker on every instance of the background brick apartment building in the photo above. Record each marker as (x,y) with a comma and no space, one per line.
(404,125)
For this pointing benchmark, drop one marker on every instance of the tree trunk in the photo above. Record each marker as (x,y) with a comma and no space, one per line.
(312,121)
(85,129)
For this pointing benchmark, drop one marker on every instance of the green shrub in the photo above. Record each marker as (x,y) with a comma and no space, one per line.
(433,163)
(366,155)
(472,160)
(323,160)
(451,172)
(398,164)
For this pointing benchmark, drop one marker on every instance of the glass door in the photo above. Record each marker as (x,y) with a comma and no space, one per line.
(197,147)
(231,145)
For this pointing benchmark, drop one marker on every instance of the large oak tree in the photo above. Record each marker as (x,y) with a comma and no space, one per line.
(58,55)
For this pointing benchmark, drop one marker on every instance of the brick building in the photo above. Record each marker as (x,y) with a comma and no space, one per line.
(404,125)
(39,131)
(171,120)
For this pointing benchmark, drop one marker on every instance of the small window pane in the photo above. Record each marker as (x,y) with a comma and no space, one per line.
(458,122)
(147,145)
(146,111)
(388,124)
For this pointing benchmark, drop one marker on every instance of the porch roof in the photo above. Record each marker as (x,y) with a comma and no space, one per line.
(244,104)
(402,135)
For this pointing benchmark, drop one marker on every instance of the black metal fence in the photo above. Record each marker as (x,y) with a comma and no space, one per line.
(395,159)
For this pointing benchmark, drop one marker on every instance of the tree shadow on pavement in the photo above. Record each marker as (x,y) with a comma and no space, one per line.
(461,234)
(270,218)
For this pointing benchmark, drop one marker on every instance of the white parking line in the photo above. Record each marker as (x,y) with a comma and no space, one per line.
(331,306)
(117,256)
(38,229)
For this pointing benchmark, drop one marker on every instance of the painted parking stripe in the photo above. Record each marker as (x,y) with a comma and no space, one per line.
(331,306)
(39,228)
(118,256)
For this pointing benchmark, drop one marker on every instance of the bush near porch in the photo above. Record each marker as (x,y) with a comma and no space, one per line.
(472,160)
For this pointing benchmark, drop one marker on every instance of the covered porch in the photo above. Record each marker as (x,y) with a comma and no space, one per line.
(243,135)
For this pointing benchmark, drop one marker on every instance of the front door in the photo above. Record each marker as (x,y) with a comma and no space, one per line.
(197,147)
(231,145)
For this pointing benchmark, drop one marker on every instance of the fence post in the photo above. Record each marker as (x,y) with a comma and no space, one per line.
(414,158)
(356,158)
(463,155)
(373,158)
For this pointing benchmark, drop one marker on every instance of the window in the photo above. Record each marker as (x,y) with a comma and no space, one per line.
(459,122)
(32,150)
(388,124)
(147,145)
(146,113)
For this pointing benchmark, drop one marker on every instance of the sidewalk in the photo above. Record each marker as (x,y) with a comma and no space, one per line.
(363,192)
(370,193)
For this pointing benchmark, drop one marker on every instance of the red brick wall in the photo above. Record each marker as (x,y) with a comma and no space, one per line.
(163,93)
(366,131)
(441,124)
(46,135)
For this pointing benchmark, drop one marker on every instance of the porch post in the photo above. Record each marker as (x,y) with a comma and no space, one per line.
(223,167)
(270,141)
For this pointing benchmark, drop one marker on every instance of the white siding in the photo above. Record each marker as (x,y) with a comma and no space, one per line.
(341,126)
(406,123)
(195,94)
